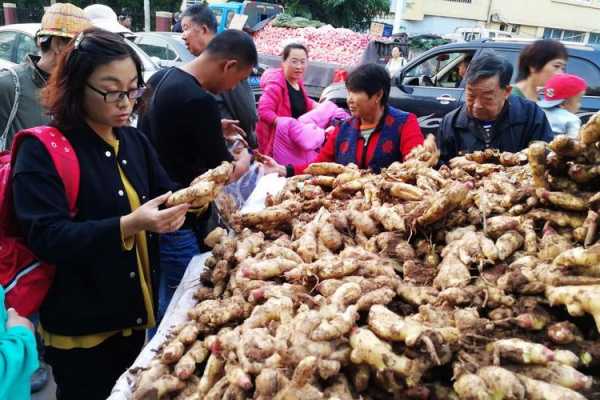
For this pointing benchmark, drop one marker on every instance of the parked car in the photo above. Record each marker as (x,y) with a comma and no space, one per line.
(430,86)
(165,48)
(18,40)
(6,64)
(168,49)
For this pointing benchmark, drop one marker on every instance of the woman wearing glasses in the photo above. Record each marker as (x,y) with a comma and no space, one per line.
(101,301)
(283,95)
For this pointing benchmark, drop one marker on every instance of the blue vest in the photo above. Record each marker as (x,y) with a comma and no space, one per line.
(388,144)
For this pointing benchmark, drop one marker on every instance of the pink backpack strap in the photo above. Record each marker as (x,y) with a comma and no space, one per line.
(62,154)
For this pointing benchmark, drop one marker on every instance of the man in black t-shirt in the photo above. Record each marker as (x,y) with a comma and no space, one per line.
(199,26)
(184,124)
(183,119)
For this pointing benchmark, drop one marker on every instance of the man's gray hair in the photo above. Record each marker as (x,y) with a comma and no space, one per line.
(488,66)
(201,14)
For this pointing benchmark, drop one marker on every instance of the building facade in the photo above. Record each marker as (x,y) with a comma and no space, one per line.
(569,20)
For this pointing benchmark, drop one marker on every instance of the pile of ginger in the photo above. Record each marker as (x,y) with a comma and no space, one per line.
(477,280)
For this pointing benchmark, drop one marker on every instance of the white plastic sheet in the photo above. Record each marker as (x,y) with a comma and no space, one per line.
(183,300)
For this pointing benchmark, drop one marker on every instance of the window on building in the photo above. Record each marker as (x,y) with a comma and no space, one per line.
(561,34)
(574,36)
(594,38)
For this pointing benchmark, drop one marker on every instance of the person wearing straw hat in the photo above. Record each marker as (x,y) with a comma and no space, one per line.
(20,86)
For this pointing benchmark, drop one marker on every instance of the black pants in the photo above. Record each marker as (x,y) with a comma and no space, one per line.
(91,373)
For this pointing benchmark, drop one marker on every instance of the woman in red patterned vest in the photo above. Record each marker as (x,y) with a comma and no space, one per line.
(375,136)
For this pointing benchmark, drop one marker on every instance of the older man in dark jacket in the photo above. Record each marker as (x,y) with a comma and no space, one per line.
(491,117)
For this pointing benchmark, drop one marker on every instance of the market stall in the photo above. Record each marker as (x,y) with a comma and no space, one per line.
(477,280)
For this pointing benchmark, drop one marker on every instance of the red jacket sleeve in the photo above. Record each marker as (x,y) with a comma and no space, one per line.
(327,153)
(267,104)
(411,135)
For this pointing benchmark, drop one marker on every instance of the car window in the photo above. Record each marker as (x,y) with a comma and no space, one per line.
(157,47)
(7,43)
(512,57)
(588,71)
(441,70)
(148,64)
(26,45)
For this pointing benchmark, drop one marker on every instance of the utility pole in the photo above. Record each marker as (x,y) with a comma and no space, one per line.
(398,15)
(147,26)
(489,13)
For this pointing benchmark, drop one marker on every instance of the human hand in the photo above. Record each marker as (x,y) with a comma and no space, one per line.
(239,147)
(148,217)
(14,319)
(269,165)
(430,145)
(232,131)
(243,158)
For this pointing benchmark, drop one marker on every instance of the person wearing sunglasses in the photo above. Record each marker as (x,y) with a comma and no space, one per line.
(103,296)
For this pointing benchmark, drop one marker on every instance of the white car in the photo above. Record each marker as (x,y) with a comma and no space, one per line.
(6,64)
(18,40)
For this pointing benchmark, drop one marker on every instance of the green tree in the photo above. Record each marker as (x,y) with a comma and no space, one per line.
(32,10)
(354,14)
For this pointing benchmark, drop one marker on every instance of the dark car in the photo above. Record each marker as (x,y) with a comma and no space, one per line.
(430,86)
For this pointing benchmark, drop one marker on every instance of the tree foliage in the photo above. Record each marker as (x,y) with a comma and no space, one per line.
(354,14)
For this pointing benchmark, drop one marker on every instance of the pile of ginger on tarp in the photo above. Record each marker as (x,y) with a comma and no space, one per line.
(477,280)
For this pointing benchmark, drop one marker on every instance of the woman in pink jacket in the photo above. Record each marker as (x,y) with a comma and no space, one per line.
(283,95)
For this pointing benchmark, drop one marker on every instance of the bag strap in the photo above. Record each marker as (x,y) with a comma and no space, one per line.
(63,156)
(15,107)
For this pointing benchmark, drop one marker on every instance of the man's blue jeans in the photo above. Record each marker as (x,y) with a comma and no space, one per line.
(176,251)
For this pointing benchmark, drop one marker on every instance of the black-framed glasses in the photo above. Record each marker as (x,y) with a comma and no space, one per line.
(118,95)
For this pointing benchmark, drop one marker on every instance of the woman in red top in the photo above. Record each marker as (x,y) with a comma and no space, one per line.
(375,136)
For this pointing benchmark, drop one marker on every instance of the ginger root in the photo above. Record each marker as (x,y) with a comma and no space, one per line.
(368,349)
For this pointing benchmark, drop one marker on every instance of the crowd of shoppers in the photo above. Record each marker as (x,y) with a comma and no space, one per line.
(120,255)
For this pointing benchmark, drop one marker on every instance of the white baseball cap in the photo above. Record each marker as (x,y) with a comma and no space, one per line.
(104,17)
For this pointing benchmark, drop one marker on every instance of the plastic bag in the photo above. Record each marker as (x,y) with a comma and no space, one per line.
(233,196)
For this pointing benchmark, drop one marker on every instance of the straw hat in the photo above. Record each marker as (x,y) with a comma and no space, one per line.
(64,20)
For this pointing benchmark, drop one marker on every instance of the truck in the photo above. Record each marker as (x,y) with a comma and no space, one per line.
(318,75)
(469,34)
(257,12)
